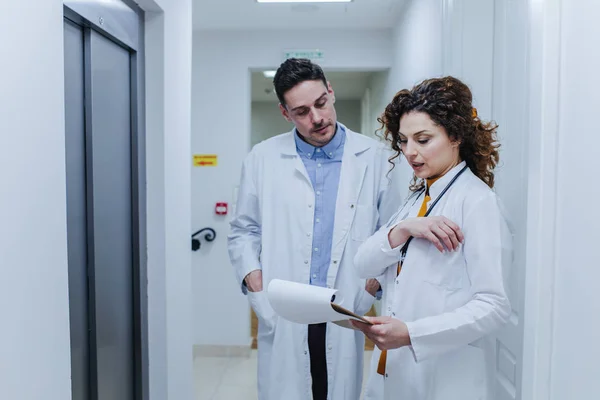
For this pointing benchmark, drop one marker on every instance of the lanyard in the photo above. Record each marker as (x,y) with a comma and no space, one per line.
(405,247)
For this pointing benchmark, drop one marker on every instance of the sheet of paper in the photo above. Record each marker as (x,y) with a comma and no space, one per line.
(307,304)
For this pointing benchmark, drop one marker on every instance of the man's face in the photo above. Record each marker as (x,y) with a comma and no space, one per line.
(309,105)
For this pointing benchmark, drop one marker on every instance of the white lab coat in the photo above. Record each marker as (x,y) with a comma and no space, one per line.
(452,303)
(272,229)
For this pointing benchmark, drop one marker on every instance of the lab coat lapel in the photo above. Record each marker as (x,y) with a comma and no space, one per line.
(352,176)
(290,152)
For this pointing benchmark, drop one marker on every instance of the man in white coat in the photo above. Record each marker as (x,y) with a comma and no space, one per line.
(307,200)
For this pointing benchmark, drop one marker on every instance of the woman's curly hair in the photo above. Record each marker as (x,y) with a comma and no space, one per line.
(448,102)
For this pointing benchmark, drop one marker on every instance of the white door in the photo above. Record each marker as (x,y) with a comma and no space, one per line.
(510,106)
(487,47)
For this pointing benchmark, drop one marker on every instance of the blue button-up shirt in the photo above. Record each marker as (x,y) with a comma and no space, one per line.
(323,165)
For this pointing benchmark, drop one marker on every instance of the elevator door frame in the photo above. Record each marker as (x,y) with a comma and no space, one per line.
(122,22)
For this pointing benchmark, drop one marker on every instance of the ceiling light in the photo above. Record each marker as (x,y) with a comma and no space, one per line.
(304,1)
(269,74)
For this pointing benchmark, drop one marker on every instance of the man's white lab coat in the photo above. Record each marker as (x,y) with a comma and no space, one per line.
(272,230)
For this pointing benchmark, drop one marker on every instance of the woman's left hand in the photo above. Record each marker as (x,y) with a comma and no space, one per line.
(386,332)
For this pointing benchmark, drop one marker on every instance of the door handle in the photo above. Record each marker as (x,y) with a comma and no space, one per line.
(209,237)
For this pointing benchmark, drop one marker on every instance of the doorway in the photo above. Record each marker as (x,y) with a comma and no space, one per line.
(105,218)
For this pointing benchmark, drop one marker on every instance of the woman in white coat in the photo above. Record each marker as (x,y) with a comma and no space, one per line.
(443,254)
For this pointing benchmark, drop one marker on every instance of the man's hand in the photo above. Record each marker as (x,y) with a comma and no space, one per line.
(386,332)
(372,286)
(254,281)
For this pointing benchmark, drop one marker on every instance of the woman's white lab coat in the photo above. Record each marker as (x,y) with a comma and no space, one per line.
(272,229)
(451,302)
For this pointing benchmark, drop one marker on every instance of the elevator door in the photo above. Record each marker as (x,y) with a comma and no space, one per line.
(100,214)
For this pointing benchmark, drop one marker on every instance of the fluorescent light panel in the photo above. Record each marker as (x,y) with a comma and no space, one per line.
(304,1)
(269,74)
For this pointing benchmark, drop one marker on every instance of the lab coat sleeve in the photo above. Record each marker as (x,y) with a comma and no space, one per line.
(244,240)
(375,255)
(489,307)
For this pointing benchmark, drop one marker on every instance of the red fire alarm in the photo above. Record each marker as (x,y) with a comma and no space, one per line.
(221,208)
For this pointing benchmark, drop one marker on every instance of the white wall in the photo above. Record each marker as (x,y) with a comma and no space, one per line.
(267,121)
(221,125)
(575,350)
(34,338)
(168,129)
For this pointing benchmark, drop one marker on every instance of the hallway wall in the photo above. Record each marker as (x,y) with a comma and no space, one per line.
(35,337)
(576,326)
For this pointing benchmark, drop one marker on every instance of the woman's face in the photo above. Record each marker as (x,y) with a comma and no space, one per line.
(426,146)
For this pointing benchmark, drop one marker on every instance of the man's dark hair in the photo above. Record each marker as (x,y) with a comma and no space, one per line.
(294,71)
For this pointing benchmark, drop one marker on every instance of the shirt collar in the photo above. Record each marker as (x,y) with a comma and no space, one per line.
(330,149)
(436,188)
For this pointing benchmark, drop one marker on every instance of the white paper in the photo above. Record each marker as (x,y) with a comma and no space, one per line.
(305,304)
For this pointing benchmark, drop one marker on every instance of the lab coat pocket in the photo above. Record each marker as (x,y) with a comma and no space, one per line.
(265,313)
(445,269)
(364,221)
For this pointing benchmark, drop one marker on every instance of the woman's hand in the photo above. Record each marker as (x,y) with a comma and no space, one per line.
(438,230)
(386,332)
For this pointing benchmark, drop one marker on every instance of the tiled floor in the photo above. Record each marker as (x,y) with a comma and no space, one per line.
(221,378)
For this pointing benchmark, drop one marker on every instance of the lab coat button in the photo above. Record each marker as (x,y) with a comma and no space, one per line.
(330,347)
(305,261)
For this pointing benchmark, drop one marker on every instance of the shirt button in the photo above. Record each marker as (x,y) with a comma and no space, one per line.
(330,347)
(315,276)
(316,249)
(318,150)
(305,352)
(331,154)
(318,220)
(319,165)
(308,234)
(318,192)
(310,206)
(305,261)
(335,261)
(386,375)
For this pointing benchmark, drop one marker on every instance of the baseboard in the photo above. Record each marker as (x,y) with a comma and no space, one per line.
(205,350)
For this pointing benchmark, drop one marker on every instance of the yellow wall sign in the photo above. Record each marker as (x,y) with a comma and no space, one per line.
(205,160)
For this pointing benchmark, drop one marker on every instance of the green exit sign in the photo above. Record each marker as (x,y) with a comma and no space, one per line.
(313,55)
